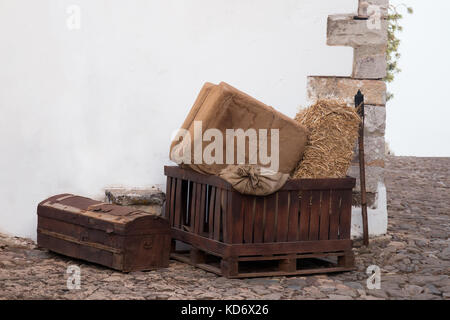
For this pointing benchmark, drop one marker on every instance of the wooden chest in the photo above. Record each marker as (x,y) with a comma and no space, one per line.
(118,237)
(303,228)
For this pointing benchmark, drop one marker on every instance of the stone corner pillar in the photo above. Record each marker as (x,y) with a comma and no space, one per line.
(366,33)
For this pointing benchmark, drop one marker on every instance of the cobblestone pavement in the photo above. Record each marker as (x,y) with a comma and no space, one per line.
(414,258)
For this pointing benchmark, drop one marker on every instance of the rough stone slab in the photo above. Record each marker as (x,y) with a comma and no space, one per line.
(364,5)
(151,208)
(346,88)
(374,121)
(140,197)
(369,62)
(374,151)
(344,30)
(374,175)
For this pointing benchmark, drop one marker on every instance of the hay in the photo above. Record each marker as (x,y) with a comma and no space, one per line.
(333,131)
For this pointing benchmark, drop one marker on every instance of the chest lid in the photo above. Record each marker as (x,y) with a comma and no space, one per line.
(102,216)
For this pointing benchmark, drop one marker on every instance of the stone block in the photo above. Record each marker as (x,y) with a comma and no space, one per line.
(149,199)
(344,30)
(374,121)
(369,62)
(374,175)
(346,88)
(374,151)
(365,9)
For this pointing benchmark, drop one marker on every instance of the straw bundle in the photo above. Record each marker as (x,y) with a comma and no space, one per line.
(333,131)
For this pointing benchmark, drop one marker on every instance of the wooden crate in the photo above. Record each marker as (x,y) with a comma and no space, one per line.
(303,228)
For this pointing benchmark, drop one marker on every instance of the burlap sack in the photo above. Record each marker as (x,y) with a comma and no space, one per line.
(248,179)
(223,107)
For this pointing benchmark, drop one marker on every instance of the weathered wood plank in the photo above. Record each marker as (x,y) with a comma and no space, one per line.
(217,214)
(226,215)
(211,212)
(334,214)
(293,216)
(178,203)
(269,224)
(202,209)
(187,174)
(319,184)
(172,201)
(282,216)
(305,211)
(314,218)
(291,185)
(168,200)
(345,215)
(237,224)
(192,213)
(248,218)
(324,215)
(258,224)
(290,247)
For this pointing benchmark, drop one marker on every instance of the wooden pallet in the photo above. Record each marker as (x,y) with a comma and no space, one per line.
(306,219)
(267,266)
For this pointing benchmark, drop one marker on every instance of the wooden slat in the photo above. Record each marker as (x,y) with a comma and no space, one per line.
(305,211)
(185,204)
(238,217)
(211,246)
(201,218)
(178,203)
(217,214)
(212,198)
(270,214)
(291,185)
(229,217)
(282,216)
(193,206)
(226,250)
(168,200)
(187,174)
(226,214)
(314,217)
(324,215)
(319,184)
(290,247)
(293,216)
(248,218)
(198,206)
(291,256)
(334,214)
(258,223)
(172,201)
(296,272)
(345,215)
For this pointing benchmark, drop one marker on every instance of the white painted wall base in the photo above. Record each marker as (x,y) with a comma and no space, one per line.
(377,217)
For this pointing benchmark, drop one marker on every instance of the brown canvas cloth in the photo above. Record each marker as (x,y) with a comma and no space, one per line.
(248,179)
(223,107)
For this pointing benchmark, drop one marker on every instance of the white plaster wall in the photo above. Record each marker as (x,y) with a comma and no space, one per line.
(377,217)
(84,109)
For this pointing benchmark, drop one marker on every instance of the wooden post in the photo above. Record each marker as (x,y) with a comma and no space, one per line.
(359,104)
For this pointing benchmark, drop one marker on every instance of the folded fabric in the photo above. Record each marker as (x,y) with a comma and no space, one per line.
(230,134)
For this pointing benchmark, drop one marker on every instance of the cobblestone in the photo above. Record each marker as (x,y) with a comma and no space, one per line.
(413,257)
